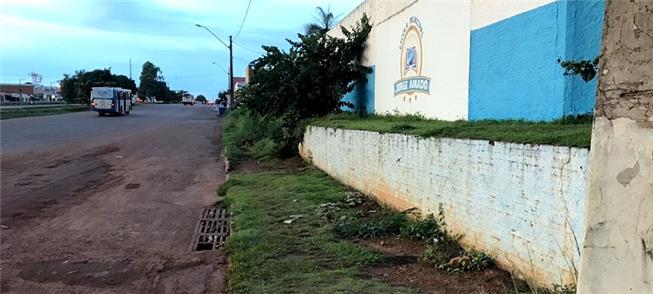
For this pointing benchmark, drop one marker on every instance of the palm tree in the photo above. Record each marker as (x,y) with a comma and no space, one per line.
(324,21)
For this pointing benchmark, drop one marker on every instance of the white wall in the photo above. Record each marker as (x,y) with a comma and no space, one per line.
(521,204)
(445,50)
(487,12)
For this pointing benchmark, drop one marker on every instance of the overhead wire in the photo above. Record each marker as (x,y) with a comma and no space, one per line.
(248,49)
(244,18)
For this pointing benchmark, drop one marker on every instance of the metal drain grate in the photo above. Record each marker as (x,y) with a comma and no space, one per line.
(212,230)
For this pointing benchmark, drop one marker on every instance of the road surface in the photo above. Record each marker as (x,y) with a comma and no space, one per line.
(109,204)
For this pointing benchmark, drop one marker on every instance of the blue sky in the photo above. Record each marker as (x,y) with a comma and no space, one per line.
(53,37)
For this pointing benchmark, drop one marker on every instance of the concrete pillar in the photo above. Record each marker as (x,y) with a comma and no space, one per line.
(617,253)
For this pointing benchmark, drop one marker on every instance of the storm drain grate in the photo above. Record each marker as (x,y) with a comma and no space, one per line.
(212,230)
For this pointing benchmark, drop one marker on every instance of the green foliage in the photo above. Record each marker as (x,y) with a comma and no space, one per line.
(311,78)
(324,21)
(423,229)
(385,225)
(149,81)
(76,88)
(269,256)
(586,69)
(467,261)
(573,131)
(307,81)
(247,135)
(200,98)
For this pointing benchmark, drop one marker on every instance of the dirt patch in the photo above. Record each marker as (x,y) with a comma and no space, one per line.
(35,186)
(401,266)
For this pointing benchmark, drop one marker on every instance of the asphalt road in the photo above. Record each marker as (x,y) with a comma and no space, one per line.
(109,204)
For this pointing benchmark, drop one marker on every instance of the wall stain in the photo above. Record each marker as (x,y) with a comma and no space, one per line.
(627,175)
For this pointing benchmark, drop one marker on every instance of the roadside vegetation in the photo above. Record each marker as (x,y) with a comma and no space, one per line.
(287,88)
(569,131)
(281,245)
(40,111)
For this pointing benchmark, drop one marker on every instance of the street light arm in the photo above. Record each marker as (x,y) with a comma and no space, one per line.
(208,30)
(222,68)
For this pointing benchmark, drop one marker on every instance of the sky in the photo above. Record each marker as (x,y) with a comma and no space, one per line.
(53,37)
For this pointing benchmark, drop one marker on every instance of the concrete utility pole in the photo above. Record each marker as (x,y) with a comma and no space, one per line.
(231,63)
(617,253)
(231,74)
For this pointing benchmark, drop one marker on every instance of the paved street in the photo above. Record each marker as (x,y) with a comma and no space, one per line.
(109,204)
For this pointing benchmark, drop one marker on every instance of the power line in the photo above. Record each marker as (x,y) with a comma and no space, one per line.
(248,49)
(244,18)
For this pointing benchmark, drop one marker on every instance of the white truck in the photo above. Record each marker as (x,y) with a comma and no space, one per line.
(187,99)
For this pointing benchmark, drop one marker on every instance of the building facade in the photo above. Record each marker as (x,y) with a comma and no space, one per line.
(477,59)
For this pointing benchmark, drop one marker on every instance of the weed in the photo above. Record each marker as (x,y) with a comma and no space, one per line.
(269,256)
(422,229)
(572,131)
(354,227)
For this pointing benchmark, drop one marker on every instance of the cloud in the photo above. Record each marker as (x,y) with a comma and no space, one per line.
(58,36)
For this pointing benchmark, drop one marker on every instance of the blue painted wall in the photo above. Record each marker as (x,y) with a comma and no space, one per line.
(514,72)
(583,42)
(362,96)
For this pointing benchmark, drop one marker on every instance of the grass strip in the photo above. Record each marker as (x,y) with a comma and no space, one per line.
(304,256)
(39,111)
(570,131)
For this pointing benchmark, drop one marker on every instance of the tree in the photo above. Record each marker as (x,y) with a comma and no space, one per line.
(223,96)
(150,81)
(76,88)
(311,78)
(308,80)
(200,98)
(324,22)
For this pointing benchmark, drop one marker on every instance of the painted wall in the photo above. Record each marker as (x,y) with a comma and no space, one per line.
(514,70)
(443,55)
(521,204)
(618,246)
(486,59)
(362,97)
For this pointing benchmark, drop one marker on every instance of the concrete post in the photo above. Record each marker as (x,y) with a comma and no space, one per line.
(617,253)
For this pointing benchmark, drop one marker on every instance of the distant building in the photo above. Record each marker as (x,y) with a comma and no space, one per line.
(16,92)
(239,83)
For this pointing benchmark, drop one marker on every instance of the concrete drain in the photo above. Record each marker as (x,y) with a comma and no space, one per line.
(212,230)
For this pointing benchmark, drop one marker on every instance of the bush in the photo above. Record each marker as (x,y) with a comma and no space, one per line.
(247,135)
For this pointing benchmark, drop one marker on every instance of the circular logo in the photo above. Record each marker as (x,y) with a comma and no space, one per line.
(411,80)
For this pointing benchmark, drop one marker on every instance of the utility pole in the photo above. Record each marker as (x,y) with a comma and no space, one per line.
(231,74)
(130,68)
(20,88)
(231,63)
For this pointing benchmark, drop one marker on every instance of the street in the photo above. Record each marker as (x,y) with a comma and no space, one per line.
(109,204)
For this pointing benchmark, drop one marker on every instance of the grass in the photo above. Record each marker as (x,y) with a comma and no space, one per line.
(569,131)
(270,256)
(39,111)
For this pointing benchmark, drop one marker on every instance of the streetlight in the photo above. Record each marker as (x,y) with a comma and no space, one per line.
(231,63)
(221,68)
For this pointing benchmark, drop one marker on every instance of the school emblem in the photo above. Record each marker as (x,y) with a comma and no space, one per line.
(412,81)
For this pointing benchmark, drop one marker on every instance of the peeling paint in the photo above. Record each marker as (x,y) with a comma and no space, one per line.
(521,204)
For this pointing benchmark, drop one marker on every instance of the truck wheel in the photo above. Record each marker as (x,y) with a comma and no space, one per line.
(127,113)
(100,113)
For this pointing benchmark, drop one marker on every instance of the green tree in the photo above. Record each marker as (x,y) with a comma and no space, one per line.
(308,80)
(324,21)
(311,78)
(200,98)
(76,88)
(150,79)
